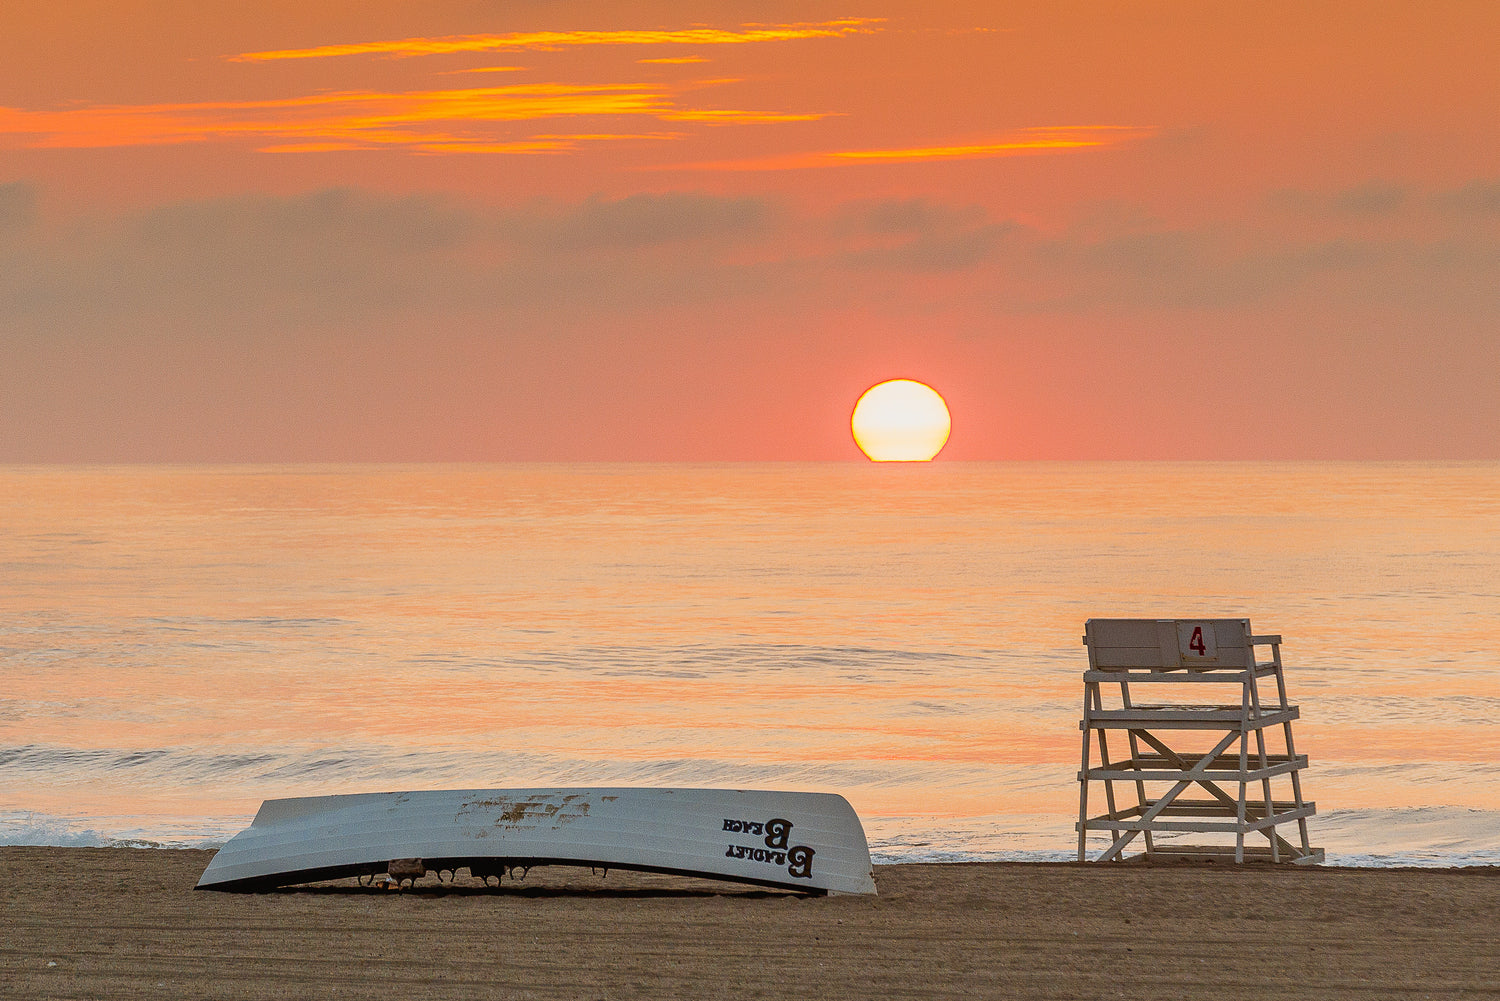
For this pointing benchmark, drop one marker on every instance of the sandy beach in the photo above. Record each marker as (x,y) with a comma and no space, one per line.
(95,923)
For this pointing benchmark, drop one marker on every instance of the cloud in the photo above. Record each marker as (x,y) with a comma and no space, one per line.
(1042,139)
(1479,199)
(17,205)
(915,235)
(347,257)
(673,218)
(543,142)
(730,116)
(1425,257)
(484,69)
(1240,267)
(472,119)
(488,120)
(1191,268)
(1370,200)
(549,41)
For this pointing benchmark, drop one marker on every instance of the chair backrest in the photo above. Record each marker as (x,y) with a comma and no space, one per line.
(1168,644)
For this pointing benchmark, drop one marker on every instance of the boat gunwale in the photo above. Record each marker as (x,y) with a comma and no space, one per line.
(301,877)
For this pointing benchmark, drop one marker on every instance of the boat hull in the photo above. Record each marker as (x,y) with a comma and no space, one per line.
(812,842)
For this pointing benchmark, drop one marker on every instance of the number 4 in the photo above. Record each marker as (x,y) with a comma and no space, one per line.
(1196,643)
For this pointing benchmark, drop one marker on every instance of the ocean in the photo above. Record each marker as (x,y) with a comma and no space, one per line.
(178,643)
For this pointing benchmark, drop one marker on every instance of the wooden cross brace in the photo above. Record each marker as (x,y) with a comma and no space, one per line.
(1194,774)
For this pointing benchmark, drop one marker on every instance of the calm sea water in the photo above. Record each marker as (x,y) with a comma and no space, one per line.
(179,643)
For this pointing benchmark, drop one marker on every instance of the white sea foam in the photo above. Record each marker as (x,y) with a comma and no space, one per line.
(31,829)
(38,829)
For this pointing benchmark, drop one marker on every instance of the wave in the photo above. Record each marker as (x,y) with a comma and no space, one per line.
(1432,836)
(43,830)
(1439,837)
(288,771)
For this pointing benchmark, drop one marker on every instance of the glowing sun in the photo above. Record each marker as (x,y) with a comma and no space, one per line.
(901,421)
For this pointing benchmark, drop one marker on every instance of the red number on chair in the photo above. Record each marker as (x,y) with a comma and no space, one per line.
(1196,643)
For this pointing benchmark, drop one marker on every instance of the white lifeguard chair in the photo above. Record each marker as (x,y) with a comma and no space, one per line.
(1179,659)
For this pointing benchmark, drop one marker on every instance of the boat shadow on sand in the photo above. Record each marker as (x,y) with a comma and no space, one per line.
(677,890)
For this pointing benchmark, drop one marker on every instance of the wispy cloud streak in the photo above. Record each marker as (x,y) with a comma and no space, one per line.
(1050,139)
(425,121)
(548,41)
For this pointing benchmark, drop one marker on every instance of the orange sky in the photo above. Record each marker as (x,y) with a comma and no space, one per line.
(619,231)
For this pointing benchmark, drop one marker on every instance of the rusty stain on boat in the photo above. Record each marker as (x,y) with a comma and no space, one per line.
(516,813)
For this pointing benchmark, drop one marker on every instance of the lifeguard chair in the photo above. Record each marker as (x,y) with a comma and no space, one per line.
(1218,745)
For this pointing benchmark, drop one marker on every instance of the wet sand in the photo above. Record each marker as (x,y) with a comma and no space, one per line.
(121,923)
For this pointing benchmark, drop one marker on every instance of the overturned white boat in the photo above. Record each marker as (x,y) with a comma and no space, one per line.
(805,841)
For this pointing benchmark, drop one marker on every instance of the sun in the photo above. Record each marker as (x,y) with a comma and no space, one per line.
(901,421)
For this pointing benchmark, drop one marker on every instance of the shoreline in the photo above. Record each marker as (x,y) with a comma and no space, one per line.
(1340,861)
(1400,837)
(126,921)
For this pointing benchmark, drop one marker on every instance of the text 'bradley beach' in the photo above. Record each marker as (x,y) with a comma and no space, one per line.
(777,832)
